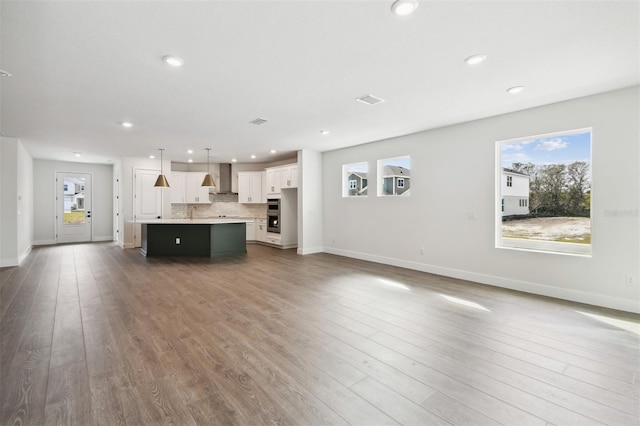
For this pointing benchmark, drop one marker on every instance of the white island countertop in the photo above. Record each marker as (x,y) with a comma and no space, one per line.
(197,221)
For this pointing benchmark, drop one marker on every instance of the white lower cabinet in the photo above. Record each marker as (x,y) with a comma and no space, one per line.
(273,238)
(261,230)
(251,231)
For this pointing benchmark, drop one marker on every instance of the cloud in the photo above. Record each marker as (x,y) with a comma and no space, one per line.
(511,146)
(551,145)
(516,157)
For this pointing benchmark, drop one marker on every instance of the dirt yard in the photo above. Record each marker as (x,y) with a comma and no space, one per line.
(563,229)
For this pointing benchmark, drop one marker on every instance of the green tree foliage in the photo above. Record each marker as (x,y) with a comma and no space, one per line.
(558,189)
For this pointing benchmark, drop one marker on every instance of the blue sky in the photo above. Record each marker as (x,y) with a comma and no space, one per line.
(556,149)
(404,161)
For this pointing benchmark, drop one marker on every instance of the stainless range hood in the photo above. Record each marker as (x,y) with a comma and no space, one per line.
(224,184)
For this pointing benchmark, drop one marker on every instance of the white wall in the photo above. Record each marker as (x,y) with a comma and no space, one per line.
(25,201)
(44,193)
(436,215)
(16,206)
(127,190)
(309,202)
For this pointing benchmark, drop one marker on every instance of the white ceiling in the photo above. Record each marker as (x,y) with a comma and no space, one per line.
(81,67)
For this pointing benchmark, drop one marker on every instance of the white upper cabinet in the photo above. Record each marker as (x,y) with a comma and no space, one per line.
(186,188)
(289,176)
(273,181)
(177,182)
(281,177)
(250,188)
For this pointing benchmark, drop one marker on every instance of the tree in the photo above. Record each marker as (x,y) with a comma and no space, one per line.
(557,189)
(578,186)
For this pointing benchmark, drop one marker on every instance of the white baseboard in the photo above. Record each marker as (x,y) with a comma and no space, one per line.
(524,286)
(24,255)
(310,250)
(43,242)
(103,238)
(15,261)
(5,263)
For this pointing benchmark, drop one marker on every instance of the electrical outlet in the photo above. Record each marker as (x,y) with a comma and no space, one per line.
(421,250)
(631,280)
(177,240)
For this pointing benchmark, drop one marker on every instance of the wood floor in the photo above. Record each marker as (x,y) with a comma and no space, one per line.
(93,334)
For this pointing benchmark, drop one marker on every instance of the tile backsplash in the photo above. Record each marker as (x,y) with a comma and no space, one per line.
(217,208)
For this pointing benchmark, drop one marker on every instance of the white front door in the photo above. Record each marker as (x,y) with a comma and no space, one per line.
(73,207)
(147,199)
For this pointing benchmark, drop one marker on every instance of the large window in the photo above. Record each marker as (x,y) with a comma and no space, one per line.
(543,187)
(355,180)
(394,176)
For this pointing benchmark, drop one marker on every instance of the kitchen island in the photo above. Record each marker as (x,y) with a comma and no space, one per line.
(193,237)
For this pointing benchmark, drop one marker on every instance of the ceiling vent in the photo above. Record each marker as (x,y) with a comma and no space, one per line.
(258,121)
(369,100)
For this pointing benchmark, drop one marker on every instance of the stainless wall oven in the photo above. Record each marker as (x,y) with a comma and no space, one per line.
(273,215)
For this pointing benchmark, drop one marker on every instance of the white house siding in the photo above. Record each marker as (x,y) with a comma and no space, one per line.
(514,205)
(515,197)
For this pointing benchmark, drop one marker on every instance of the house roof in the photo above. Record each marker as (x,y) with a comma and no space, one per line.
(508,170)
(361,175)
(389,171)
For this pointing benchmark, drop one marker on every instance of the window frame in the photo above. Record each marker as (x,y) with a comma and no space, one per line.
(380,164)
(349,168)
(559,248)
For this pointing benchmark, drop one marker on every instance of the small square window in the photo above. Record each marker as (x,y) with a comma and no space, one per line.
(355,179)
(394,176)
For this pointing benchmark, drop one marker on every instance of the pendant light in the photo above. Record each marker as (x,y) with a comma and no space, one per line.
(162,181)
(208,179)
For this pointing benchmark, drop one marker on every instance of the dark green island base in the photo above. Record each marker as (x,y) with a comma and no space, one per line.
(196,240)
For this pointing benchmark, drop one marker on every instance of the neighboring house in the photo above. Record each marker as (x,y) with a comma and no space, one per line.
(515,193)
(396,180)
(73,194)
(358,184)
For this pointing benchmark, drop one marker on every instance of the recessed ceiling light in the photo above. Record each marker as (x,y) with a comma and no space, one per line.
(475,59)
(234,160)
(515,90)
(189,151)
(190,160)
(174,61)
(273,151)
(77,154)
(4,73)
(126,124)
(253,156)
(404,7)
(325,132)
(152,156)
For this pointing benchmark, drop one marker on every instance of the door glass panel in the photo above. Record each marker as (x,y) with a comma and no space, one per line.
(74,212)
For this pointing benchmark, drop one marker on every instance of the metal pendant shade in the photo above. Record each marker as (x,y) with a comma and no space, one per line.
(162,181)
(208,179)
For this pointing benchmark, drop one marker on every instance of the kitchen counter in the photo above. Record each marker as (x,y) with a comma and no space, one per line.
(196,221)
(202,237)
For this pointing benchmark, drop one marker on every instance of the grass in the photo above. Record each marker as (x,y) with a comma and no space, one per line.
(75,217)
(575,230)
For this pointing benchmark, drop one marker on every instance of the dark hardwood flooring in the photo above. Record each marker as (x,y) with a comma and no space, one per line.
(93,334)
